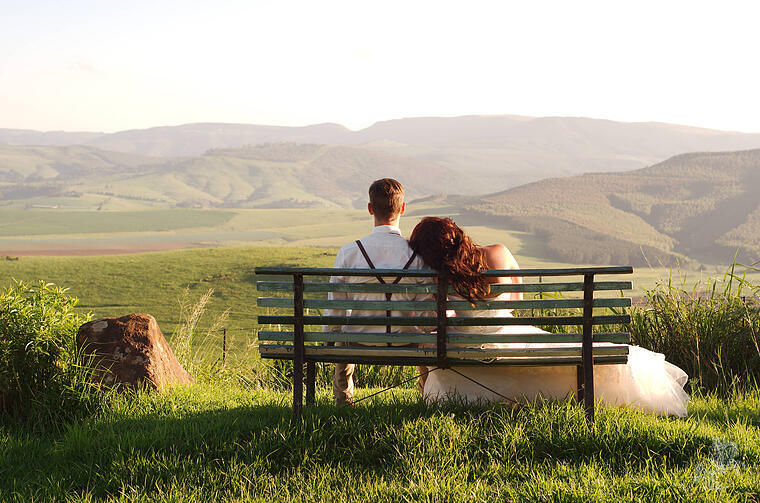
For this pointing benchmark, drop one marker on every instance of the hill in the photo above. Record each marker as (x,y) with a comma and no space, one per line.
(280,175)
(700,205)
(195,139)
(31,137)
(493,152)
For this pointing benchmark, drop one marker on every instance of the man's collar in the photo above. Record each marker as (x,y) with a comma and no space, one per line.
(387,229)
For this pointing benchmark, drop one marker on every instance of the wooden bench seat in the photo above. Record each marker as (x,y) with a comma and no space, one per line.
(445,347)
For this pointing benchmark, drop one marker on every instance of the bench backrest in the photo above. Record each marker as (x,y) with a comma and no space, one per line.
(445,345)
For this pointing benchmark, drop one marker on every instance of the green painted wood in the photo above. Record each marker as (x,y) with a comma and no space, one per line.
(547,361)
(537,320)
(400,321)
(397,305)
(271,335)
(460,353)
(505,362)
(366,305)
(478,354)
(316,271)
(357,337)
(405,321)
(463,305)
(287,286)
(540,338)
(372,338)
(396,337)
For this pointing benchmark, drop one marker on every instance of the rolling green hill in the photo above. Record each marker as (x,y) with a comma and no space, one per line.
(702,205)
(29,164)
(280,175)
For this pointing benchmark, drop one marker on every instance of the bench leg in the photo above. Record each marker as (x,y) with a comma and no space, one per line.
(311,374)
(297,389)
(588,346)
(579,384)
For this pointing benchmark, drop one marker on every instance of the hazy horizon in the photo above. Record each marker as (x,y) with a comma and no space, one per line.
(357,129)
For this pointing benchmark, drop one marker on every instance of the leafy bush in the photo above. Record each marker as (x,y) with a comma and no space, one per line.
(38,327)
(712,331)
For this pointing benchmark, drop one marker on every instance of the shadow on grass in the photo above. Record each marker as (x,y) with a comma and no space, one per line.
(389,438)
(727,412)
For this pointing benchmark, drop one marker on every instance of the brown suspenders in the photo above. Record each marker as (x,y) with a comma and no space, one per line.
(388,295)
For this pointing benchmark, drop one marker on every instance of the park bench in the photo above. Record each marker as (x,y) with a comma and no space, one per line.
(445,348)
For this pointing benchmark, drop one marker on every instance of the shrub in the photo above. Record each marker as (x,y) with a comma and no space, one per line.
(38,326)
(712,331)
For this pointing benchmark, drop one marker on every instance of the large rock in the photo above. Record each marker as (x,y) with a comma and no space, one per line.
(131,351)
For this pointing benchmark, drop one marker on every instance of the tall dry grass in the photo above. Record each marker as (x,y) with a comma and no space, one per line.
(711,329)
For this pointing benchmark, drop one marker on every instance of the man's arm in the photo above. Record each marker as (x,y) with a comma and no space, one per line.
(339,263)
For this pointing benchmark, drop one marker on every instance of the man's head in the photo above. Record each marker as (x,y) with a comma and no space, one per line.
(386,201)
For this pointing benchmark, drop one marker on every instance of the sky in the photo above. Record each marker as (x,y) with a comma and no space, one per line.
(108,66)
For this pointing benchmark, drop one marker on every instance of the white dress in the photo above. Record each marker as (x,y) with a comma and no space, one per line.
(647,382)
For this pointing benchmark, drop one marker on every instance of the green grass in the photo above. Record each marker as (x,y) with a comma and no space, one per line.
(42,221)
(209,443)
(115,285)
(153,283)
(232,437)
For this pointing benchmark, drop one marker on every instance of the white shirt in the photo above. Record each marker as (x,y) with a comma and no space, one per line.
(387,249)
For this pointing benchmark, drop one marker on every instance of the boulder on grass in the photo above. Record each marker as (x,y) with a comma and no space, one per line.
(131,351)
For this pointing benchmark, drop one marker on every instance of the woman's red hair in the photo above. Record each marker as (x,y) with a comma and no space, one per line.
(445,247)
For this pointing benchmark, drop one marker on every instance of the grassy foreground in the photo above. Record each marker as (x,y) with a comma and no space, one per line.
(208,443)
(233,437)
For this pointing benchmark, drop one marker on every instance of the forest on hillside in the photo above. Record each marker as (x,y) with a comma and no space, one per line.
(701,206)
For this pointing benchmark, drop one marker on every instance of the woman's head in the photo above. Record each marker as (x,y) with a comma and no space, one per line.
(445,247)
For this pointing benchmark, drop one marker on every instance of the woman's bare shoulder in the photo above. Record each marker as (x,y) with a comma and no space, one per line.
(498,256)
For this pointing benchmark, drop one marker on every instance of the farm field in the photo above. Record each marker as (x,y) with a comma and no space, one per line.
(61,231)
(51,222)
(90,232)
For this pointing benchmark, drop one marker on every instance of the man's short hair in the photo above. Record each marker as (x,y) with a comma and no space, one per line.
(386,197)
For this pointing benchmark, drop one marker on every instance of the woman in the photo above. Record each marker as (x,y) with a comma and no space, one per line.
(647,382)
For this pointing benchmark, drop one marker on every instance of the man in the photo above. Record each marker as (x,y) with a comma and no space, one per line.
(384,248)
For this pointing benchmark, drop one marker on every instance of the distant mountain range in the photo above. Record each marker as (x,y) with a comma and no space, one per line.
(704,206)
(483,153)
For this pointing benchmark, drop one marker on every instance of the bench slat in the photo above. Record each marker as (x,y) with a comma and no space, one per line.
(616,337)
(421,273)
(397,305)
(406,337)
(507,362)
(400,321)
(287,286)
(459,353)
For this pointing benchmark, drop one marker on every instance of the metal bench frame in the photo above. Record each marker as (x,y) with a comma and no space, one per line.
(442,355)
